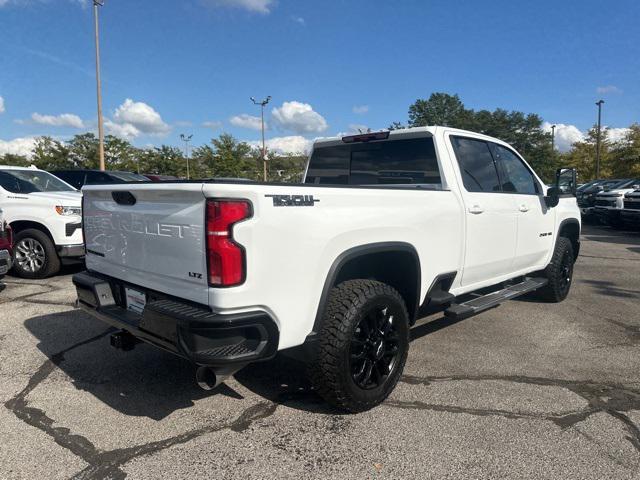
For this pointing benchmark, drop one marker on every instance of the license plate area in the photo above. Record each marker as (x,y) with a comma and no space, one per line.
(135,300)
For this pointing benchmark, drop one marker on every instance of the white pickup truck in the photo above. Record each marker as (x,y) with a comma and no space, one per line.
(385,227)
(44,213)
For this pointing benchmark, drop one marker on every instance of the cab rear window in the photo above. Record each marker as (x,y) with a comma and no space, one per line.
(391,162)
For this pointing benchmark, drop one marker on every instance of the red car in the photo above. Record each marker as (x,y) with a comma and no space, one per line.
(6,241)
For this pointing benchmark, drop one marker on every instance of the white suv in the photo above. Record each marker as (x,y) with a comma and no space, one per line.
(45,214)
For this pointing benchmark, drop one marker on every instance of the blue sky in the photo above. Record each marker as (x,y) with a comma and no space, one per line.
(190,66)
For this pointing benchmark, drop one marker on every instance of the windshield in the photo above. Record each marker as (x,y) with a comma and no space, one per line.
(129,177)
(30,181)
(628,183)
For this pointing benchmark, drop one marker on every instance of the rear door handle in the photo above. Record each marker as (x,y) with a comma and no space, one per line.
(476,209)
(524,208)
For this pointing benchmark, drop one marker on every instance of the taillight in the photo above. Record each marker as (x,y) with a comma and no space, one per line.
(225,258)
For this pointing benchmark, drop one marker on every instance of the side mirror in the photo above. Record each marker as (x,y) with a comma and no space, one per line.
(553,197)
(566,181)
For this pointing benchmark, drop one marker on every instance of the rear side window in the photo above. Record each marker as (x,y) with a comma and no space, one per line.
(516,176)
(478,169)
(399,162)
(72,178)
(97,178)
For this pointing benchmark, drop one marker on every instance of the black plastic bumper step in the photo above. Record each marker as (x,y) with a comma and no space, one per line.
(462,310)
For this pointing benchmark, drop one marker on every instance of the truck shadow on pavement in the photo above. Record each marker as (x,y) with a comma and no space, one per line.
(143,382)
(152,383)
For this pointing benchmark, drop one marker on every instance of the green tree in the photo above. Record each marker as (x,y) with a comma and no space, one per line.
(83,151)
(165,160)
(523,131)
(625,154)
(14,160)
(226,157)
(582,156)
(119,154)
(51,154)
(440,109)
(286,167)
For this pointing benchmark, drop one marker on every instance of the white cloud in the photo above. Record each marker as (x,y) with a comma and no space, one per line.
(212,124)
(255,6)
(2,109)
(62,120)
(132,119)
(247,121)
(566,135)
(299,117)
(616,134)
(360,109)
(299,20)
(123,130)
(608,89)
(18,146)
(291,144)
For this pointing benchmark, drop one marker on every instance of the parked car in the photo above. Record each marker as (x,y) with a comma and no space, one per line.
(631,211)
(587,196)
(609,203)
(45,215)
(386,225)
(79,178)
(6,244)
(160,178)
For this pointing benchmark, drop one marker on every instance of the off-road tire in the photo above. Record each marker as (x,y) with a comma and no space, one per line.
(559,273)
(51,264)
(331,369)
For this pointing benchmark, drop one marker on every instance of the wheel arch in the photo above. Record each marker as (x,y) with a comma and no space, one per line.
(394,263)
(570,228)
(19,225)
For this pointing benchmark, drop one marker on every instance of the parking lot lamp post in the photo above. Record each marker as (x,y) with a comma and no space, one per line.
(599,104)
(96,4)
(262,104)
(186,139)
(553,140)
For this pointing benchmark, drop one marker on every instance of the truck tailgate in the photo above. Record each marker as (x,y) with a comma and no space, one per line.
(149,235)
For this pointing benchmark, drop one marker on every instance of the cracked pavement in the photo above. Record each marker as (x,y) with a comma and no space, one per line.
(525,390)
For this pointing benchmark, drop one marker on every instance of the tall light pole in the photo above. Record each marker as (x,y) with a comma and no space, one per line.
(96,4)
(553,139)
(599,104)
(186,139)
(262,104)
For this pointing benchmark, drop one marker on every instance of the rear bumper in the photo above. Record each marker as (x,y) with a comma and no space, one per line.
(5,261)
(191,331)
(71,250)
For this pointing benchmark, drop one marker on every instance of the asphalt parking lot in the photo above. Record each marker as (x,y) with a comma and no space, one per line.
(526,390)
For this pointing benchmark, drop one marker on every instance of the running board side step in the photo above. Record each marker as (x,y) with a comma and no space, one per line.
(459,311)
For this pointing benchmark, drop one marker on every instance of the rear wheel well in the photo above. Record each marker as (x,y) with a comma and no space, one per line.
(571,230)
(20,225)
(396,267)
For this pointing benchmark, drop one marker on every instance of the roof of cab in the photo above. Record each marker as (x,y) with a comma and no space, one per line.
(413,132)
(10,167)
